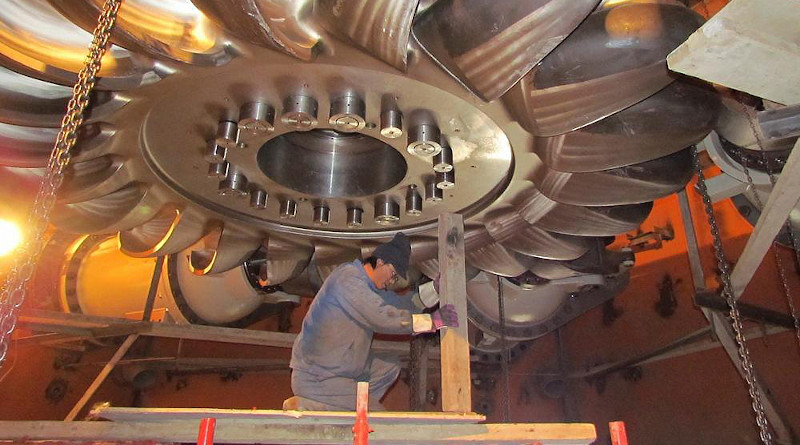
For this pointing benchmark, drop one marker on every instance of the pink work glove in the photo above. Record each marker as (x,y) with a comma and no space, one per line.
(445,316)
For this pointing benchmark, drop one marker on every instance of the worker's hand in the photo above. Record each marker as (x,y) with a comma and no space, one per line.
(445,316)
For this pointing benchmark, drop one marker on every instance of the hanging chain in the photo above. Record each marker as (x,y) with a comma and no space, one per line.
(13,292)
(504,353)
(788,225)
(736,319)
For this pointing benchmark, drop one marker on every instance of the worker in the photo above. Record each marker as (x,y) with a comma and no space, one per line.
(333,350)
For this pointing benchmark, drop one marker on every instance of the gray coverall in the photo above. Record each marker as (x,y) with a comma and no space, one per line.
(332,352)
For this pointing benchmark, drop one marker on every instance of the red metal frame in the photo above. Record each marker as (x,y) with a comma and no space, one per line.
(618,434)
(206,434)
(361,428)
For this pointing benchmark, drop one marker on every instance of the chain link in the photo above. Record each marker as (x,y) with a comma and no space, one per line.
(504,352)
(736,319)
(788,225)
(13,292)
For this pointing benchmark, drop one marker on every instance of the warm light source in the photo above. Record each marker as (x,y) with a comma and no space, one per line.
(10,237)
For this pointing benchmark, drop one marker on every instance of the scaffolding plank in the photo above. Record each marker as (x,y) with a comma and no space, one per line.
(124,414)
(87,325)
(229,431)
(456,382)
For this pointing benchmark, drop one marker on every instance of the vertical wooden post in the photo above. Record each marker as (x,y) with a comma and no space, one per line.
(456,385)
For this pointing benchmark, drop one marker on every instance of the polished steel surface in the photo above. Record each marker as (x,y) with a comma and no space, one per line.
(443,162)
(413,201)
(614,59)
(256,117)
(332,164)
(381,27)
(26,101)
(631,184)
(676,117)
(543,212)
(172,29)
(258,199)
(36,40)
(333,111)
(280,24)
(489,46)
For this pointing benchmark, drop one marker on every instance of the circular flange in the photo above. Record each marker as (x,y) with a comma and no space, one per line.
(481,146)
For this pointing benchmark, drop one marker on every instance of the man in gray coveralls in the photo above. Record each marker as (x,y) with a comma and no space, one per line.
(332,352)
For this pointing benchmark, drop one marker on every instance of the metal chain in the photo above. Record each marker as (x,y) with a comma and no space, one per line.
(736,319)
(504,353)
(13,292)
(788,225)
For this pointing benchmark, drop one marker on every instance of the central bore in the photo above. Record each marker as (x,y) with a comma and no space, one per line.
(331,164)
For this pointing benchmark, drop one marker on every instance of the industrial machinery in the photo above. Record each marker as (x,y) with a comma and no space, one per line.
(295,135)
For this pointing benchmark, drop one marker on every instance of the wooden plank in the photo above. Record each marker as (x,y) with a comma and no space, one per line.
(782,200)
(751,46)
(228,431)
(724,331)
(61,322)
(101,377)
(780,123)
(123,414)
(727,338)
(456,384)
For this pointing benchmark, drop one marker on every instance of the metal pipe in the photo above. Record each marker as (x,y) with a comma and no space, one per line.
(256,117)
(423,140)
(258,199)
(355,217)
(322,215)
(347,113)
(413,201)
(446,180)
(300,112)
(432,192)
(234,184)
(288,209)
(218,170)
(443,162)
(387,212)
(391,124)
(215,153)
(227,134)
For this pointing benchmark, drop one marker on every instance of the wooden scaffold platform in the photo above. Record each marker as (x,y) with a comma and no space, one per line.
(457,424)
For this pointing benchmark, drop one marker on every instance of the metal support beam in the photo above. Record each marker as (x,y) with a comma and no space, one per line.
(151,294)
(123,349)
(782,200)
(720,325)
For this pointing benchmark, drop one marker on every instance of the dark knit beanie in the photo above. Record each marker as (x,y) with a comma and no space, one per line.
(396,252)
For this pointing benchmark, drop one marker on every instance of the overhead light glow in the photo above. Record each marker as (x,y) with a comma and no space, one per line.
(10,237)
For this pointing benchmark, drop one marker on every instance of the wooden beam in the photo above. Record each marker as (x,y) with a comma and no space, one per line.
(264,416)
(783,433)
(456,384)
(782,199)
(780,123)
(751,46)
(723,329)
(87,325)
(228,431)
(101,377)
